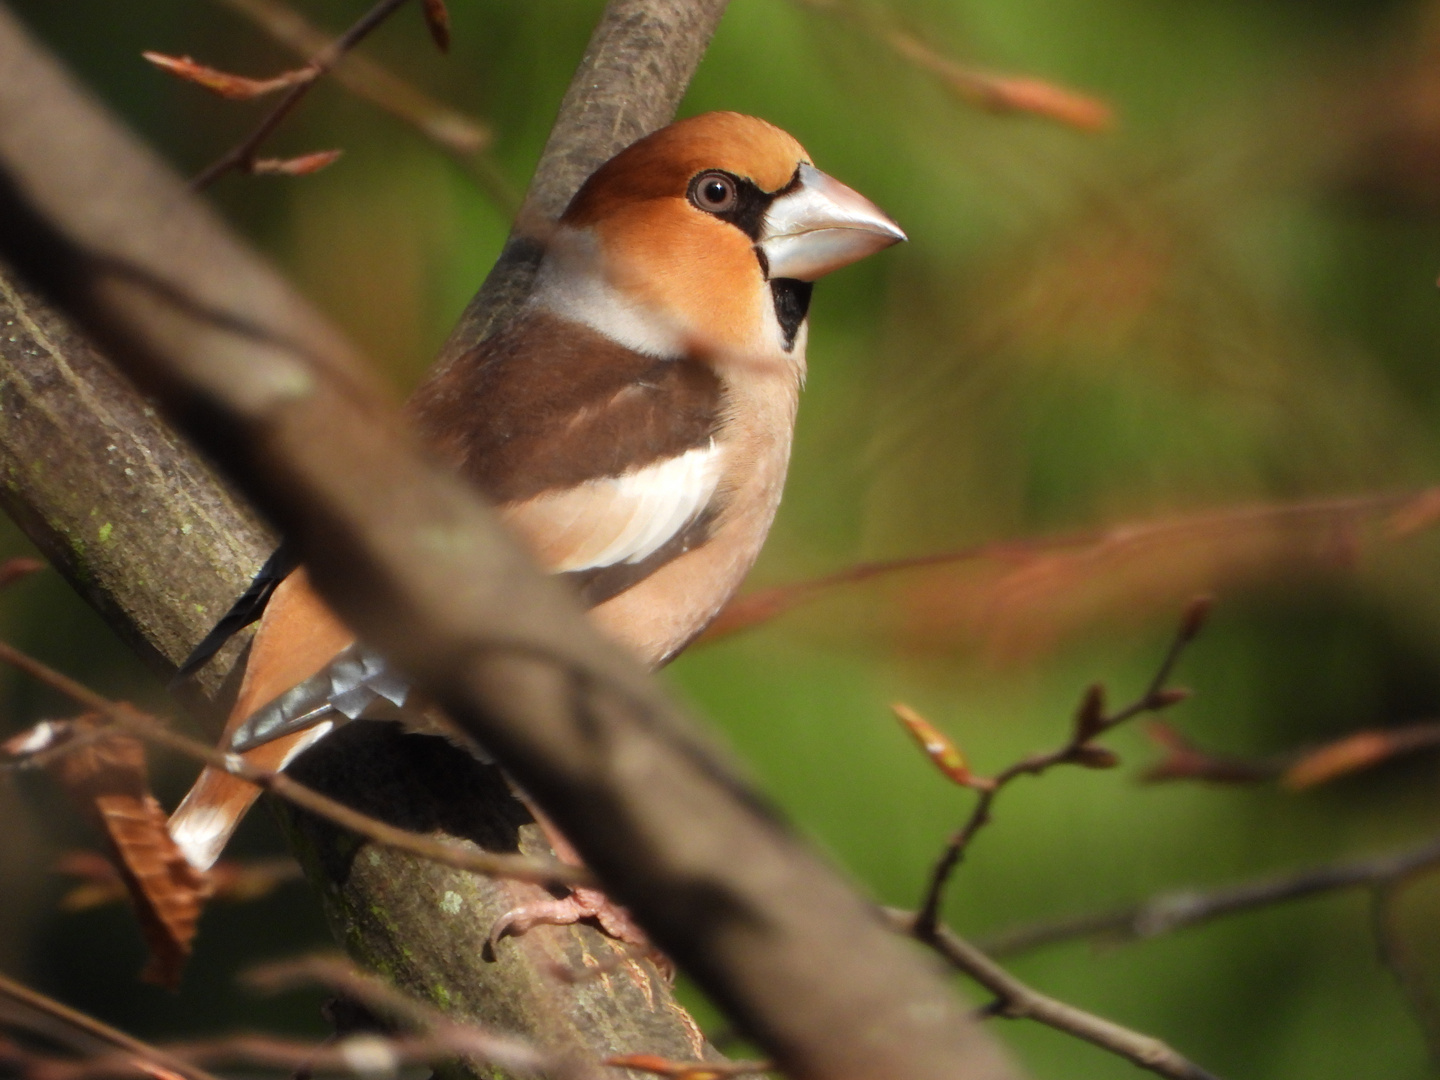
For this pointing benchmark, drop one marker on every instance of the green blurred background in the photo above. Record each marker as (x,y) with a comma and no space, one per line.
(1228,299)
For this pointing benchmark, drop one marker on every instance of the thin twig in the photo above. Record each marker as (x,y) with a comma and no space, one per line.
(145,726)
(983,89)
(464,138)
(92,1028)
(243,155)
(1091,721)
(1171,911)
(382,999)
(1397,958)
(366,1055)
(1016,1000)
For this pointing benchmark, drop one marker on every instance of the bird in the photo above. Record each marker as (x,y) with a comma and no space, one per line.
(632,423)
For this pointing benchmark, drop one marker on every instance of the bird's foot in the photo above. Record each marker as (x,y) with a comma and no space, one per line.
(582,903)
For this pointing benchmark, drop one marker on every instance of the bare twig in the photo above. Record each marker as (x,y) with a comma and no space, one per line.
(132,720)
(985,90)
(1091,552)
(367,1055)
(242,156)
(89,1028)
(1171,911)
(232,880)
(464,138)
(384,1000)
(1183,760)
(1091,721)
(1015,1000)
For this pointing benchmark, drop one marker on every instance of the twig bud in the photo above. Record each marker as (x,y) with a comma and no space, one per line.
(1091,756)
(437,19)
(1197,613)
(1090,716)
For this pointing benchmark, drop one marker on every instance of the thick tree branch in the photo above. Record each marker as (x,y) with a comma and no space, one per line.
(635,71)
(794,956)
(154,540)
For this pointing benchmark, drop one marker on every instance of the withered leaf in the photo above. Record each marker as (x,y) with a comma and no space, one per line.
(107,779)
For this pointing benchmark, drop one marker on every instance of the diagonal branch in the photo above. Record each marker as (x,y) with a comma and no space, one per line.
(410,558)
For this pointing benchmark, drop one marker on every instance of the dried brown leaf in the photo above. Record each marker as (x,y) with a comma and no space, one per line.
(234,87)
(107,778)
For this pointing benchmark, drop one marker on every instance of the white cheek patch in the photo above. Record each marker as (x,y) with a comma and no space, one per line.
(571,284)
(619,519)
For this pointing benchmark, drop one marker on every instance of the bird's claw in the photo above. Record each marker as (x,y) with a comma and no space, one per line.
(582,903)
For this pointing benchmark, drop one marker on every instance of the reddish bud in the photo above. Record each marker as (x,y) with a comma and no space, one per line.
(303,165)
(1090,716)
(1197,614)
(437,18)
(1173,695)
(1094,757)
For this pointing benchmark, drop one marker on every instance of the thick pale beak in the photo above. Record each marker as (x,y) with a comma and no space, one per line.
(821,226)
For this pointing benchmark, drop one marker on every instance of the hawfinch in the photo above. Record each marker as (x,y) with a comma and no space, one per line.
(632,424)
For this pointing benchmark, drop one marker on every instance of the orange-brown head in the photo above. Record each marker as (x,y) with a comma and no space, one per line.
(711,229)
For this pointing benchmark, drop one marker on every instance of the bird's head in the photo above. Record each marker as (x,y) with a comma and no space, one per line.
(708,233)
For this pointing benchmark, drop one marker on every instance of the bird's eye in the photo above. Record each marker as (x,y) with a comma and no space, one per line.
(713,192)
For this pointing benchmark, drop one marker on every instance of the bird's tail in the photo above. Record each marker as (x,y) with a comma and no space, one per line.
(204,821)
(201,826)
(298,636)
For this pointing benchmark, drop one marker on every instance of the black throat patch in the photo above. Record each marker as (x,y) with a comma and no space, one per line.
(792,303)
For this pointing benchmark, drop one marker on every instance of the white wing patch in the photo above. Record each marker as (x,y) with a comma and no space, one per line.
(618,519)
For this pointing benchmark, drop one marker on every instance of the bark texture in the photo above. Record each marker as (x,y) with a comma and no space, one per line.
(139,524)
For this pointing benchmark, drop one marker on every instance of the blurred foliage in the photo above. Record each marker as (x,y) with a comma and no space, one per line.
(1227,300)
